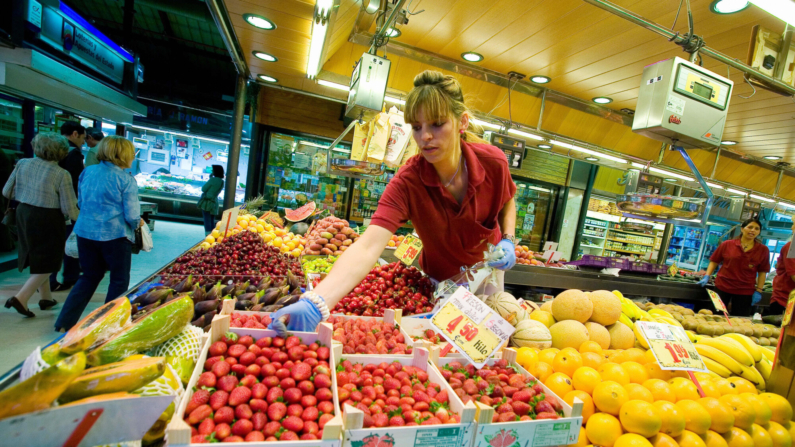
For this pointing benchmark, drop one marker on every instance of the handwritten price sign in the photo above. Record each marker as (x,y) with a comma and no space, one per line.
(471,326)
(671,347)
(409,249)
(788,311)
(716,301)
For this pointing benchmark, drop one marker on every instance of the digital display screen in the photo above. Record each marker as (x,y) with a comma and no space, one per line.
(702,90)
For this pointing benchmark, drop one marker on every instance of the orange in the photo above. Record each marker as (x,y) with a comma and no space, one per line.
(587,403)
(590,346)
(632,440)
(527,357)
(725,387)
(614,372)
(559,383)
(760,436)
(738,438)
(592,359)
(630,355)
(603,429)
(609,396)
(714,440)
(720,413)
(690,439)
(637,372)
(655,372)
(660,390)
(662,440)
(567,361)
(673,420)
(705,377)
(586,379)
(641,417)
(743,385)
(684,389)
(542,371)
(780,407)
(648,357)
(744,414)
(697,418)
(548,355)
(582,440)
(709,388)
(789,426)
(638,392)
(761,408)
(780,436)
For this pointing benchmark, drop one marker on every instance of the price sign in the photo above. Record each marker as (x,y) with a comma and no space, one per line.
(409,249)
(671,347)
(229,219)
(788,311)
(551,256)
(716,301)
(673,270)
(471,326)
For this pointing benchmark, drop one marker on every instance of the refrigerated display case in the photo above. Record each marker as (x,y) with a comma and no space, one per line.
(534,206)
(594,233)
(685,247)
(714,237)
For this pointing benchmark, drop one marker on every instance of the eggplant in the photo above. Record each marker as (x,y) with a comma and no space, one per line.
(215,292)
(204,320)
(270,296)
(175,296)
(241,289)
(198,293)
(293,281)
(243,305)
(185,285)
(272,308)
(256,308)
(229,290)
(156,295)
(265,283)
(246,297)
(282,283)
(251,289)
(287,300)
(205,306)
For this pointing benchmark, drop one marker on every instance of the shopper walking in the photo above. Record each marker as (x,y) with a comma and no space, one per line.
(109,215)
(44,192)
(208,202)
(784,281)
(93,137)
(744,263)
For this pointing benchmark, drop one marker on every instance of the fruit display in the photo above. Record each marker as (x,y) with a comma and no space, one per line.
(330,236)
(301,213)
(390,286)
(395,240)
(369,336)
(272,234)
(525,256)
(317,264)
(250,321)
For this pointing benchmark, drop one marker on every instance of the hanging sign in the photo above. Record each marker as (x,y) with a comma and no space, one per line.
(716,301)
(409,249)
(673,270)
(671,347)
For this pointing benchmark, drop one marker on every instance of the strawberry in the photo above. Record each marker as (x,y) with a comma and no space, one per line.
(236,350)
(310,401)
(226,383)
(254,436)
(224,415)
(222,431)
(221,369)
(293,423)
(199,398)
(259,391)
(246,340)
(206,380)
(307,387)
(207,426)
(271,428)
(324,419)
(295,410)
(218,399)
(247,358)
(324,394)
(289,436)
(289,382)
(248,381)
(325,407)
(238,369)
(208,364)
(554,402)
(292,395)
(276,411)
(258,405)
(508,417)
(243,411)
(234,438)
(301,371)
(524,395)
(322,381)
(396,421)
(323,353)
(253,370)
(380,420)
(421,406)
(229,338)
(544,406)
(264,342)
(275,395)
(259,419)
(367,421)
(292,341)
(431,421)
(199,414)
(242,427)
(310,414)
(217,348)
(239,395)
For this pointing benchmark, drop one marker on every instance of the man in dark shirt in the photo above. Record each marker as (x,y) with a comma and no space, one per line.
(73,163)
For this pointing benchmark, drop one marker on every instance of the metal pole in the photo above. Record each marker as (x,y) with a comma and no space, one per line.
(541,112)
(128,21)
(381,32)
(715,166)
(221,17)
(676,38)
(711,197)
(234,145)
(778,183)
(781,60)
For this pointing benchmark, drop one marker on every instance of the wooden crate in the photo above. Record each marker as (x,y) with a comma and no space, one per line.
(448,435)
(179,431)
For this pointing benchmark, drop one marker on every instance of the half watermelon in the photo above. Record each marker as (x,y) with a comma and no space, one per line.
(299,214)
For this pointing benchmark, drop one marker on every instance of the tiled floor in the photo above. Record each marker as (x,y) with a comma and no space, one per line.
(22,335)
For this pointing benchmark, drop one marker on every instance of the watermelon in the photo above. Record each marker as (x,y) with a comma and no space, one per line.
(507,306)
(299,214)
(299,228)
(532,334)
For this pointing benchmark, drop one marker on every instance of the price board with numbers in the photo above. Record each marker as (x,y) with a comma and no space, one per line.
(409,249)
(788,311)
(471,326)
(671,347)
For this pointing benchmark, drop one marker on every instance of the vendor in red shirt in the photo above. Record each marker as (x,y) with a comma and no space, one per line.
(458,194)
(745,262)
(784,282)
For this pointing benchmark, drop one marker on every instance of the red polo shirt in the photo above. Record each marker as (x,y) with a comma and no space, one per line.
(738,273)
(452,235)
(783,283)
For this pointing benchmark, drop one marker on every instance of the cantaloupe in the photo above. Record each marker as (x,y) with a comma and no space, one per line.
(532,334)
(621,336)
(572,304)
(507,306)
(606,307)
(547,306)
(568,334)
(544,317)
(598,333)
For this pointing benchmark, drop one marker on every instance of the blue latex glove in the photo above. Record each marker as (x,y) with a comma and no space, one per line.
(756,298)
(508,258)
(304,316)
(704,281)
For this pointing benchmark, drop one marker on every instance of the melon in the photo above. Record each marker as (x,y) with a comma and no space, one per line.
(507,306)
(114,378)
(300,213)
(547,306)
(568,334)
(606,307)
(543,317)
(531,334)
(572,304)
(621,336)
(299,228)
(599,334)
(96,327)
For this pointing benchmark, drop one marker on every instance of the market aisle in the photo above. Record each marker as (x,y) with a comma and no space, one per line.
(22,335)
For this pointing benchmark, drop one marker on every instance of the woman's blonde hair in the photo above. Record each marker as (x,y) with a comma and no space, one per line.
(117,150)
(50,146)
(439,96)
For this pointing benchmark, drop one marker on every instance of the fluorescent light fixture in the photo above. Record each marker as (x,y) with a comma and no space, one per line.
(152,129)
(522,185)
(482,123)
(728,143)
(540,79)
(783,9)
(333,85)
(714,185)
(394,100)
(472,56)
(602,100)
(664,172)
(728,6)
(786,205)
(319,28)
(588,151)
(737,191)
(265,56)
(545,146)
(519,133)
(393,32)
(536,188)
(671,180)
(591,159)
(259,22)
(267,78)
(772,157)
(764,199)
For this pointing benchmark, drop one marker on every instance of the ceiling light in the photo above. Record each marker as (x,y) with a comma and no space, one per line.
(764,199)
(663,172)
(728,143)
(259,21)
(265,56)
(333,85)
(152,129)
(538,189)
(714,185)
(602,100)
(267,78)
(588,151)
(545,146)
(591,159)
(394,100)
(671,180)
(772,157)
(783,9)
(786,205)
(540,79)
(728,6)
(736,191)
(482,123)
(472,57)
(525,135)
(319,29)
(393,32)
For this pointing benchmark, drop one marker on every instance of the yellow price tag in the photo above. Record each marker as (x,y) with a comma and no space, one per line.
(671,347)
(472,327)
(716,301)
(409,249)
(788,311)
(673,270)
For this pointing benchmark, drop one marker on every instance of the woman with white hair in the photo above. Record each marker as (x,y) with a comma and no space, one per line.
(45,194)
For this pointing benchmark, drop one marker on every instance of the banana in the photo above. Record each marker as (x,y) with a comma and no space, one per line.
(721,357)
(626,320)
(716,367)
(768,353)
(639,337)
(667,320)
(660,312)
(732,348)
(748,344)
(626,309)
(765,367)
(644,316)
(753,376)
(691,335)
(619,295)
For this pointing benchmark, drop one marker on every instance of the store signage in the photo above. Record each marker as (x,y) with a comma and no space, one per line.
(164,115)
(476,330)
(671,347)
(34,15)
(409,249)
(208,155)
(716,301)
(673,270)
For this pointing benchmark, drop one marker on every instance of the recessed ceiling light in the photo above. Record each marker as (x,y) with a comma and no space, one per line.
(540,79)
(545,146)
(671,180)
(772,157)
(267,78)
(728,143)
(265,56)
(591,159)
(472,57)
(393,32)
(728,6)
(602,100)
(259,21)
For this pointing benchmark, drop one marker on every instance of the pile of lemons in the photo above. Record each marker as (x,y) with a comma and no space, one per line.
(280,238)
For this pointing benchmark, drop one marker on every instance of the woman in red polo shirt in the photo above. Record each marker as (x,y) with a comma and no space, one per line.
(784,282)
(458,195)
(745,262)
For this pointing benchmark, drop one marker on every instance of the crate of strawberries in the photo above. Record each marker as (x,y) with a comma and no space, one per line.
(252,386)
(372,335)
(512,404)
(390,286)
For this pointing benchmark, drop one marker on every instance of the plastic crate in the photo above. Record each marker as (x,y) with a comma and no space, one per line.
(618,263)
(640,267)
(658,269)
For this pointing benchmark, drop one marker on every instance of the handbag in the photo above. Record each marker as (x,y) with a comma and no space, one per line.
(71,246)
(139,242)
(10,218)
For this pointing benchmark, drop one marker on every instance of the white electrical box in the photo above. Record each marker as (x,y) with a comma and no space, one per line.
(682,101)
(368,86)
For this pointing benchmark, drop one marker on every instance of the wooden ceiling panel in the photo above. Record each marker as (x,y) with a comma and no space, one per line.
(419,25)
(287,22)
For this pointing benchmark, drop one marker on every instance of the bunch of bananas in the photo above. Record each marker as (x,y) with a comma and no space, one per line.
(735,354)
(630,313)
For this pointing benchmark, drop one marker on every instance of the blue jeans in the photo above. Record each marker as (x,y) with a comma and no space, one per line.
(71,266)
(209,221)
(96,257)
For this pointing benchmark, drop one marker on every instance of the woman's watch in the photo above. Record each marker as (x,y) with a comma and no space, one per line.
(510,237)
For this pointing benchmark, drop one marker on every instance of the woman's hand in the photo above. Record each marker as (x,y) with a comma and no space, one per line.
(756,298)
(142,223)
(704,281)
(303,316)
(508,259)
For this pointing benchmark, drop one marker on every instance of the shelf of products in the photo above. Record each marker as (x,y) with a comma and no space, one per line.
(630,242)
(685,247)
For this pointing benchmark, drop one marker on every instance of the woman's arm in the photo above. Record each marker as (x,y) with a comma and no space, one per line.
(66,194)
(130,204)
(760,281)
(507,218)
(8,189)
(353,265)
(711,268)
